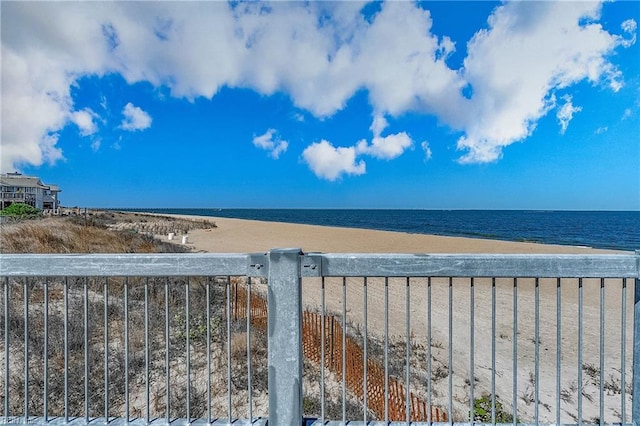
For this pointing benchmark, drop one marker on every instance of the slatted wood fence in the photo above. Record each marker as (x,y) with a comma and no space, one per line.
(312,348)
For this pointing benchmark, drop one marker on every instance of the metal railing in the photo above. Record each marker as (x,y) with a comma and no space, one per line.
(184,338)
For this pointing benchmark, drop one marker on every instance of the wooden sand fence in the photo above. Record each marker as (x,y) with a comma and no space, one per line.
(333,340)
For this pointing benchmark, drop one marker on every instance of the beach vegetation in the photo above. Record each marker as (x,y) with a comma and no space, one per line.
(76,234)
(482,410)
(197,327)
(586,394)
(612,386)
(593,372)
(567,395)
(528,396)
(20,211)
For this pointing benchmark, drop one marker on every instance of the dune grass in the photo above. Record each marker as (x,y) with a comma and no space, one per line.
(74,235)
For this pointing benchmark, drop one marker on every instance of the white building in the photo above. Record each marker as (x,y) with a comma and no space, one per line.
(18,188)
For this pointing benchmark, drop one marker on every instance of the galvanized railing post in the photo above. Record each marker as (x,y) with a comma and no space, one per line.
(285,337)
(635,408)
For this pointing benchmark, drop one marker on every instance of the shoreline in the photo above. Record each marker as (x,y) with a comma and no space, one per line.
(244,235)
(598,230)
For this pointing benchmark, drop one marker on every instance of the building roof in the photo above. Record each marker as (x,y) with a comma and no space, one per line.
(20,180)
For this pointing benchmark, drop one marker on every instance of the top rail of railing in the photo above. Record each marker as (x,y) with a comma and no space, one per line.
(473,265)
(326,264)
(133,264)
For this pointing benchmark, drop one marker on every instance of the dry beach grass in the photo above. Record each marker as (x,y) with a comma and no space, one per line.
(93,233)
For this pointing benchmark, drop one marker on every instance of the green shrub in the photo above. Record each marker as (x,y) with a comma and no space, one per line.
(482,411)
(20,210)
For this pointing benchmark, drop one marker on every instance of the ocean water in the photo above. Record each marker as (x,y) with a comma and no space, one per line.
(598,229)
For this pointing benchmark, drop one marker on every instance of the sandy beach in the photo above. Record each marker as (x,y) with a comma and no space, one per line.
(235,235)
(240,236)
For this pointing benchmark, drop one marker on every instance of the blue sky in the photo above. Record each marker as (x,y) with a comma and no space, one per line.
(435,105)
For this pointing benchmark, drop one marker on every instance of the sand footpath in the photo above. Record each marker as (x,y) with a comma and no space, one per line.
(240,236)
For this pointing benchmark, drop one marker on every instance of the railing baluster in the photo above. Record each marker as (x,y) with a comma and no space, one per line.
(450,360)
(623,352)
(45,353)
(208,297)
(471,350)
(6,347)
(188,350)
(344,350)
(228,285)
(493,351)
(146,348)
(635,408)
(602,351)
(106,349)
(365,354)
(26,350)
(167,348)
(408,349)
(249,387)
(386,349)
(558,347)
(126,349)
(66,349)
(515,352)
(322,354)
(85,285)
(580,351)
(536,335)
(429,401)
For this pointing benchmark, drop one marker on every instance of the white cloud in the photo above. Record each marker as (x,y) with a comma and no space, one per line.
(44,49)
(31,114)
(117,145)
(629,26)
(95,144)
(427,150)
(601,130)
(270,141)
(298,116)
(565,113)
(134,118)
(406,69)
(384,147)
(317,53)
(329,162)
(84,120)
(378,125)
(530,50)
